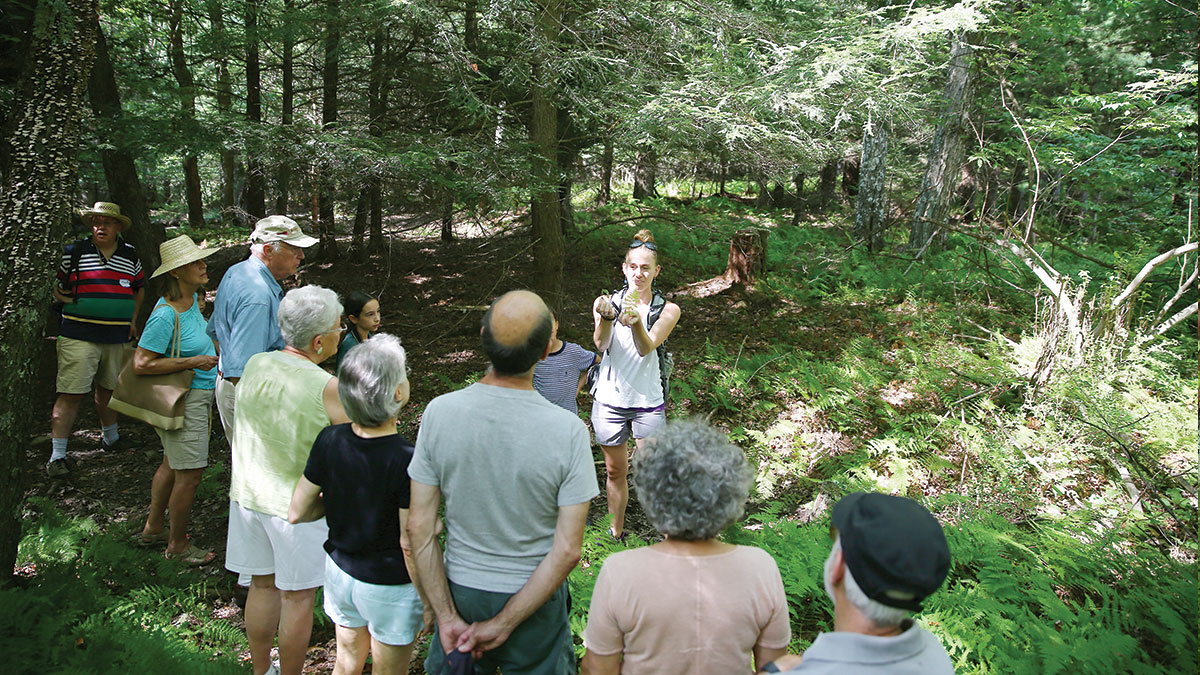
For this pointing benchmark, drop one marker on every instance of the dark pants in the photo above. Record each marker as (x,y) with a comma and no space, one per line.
(541,645)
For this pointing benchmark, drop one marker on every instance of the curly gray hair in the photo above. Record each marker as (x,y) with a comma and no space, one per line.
(368,379)
(306,312)
(692,482)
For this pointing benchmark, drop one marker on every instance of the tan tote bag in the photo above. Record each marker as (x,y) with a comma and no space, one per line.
(155,399)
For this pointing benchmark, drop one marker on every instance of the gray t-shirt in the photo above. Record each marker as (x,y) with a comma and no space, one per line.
(916,651)
(505,460)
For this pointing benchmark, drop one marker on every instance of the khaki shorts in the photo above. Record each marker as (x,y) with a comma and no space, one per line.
(82,364)
(187,448)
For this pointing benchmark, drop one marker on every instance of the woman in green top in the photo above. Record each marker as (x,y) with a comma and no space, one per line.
(363,319)
(185,451)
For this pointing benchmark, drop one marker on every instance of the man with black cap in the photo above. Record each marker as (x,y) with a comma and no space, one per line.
(244,320)
(888,555)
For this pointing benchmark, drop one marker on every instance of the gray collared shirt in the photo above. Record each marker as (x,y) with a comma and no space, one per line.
(916,651)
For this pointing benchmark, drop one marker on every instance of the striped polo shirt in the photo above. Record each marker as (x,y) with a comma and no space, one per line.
(104,292)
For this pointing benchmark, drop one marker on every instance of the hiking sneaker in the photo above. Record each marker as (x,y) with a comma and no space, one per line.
(122,444)
(58,468)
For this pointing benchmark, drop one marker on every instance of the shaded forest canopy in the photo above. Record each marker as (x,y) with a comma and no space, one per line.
(979,286)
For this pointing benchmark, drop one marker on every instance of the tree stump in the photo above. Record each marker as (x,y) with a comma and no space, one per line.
(747,257)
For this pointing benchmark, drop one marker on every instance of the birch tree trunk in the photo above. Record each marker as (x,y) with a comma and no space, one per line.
(869,215)
(35,209)
(947,151)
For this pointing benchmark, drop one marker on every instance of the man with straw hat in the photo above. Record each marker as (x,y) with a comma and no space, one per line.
(101,286)
(244,319)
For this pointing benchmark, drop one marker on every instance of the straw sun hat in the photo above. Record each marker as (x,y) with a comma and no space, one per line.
(177,252)
(104,209)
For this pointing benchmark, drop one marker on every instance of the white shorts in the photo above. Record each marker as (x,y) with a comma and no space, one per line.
(261,544)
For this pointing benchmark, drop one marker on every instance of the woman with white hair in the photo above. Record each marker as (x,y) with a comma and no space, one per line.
(284,400)
(691,603)
(357,477)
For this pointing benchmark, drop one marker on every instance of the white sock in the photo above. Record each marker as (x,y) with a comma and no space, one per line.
(110,433)
(58,449)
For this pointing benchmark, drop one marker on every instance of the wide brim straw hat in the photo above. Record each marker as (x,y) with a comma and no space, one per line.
(104,209)
(177,252)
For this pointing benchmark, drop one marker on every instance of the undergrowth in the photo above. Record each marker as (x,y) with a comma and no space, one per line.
(94,604)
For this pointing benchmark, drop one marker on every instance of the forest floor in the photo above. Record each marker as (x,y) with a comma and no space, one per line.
(836,374)
(432,295)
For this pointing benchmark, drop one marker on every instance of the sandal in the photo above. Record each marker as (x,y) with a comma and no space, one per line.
(194,555)
(148,540)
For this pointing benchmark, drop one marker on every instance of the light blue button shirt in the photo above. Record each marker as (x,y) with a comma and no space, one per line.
(245,317)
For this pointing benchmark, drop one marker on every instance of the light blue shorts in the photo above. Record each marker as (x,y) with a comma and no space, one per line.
(392,614)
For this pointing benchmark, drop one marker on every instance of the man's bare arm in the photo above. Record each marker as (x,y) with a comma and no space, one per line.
(430,576)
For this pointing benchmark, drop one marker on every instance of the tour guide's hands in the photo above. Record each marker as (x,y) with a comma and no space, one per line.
(487,635)
(204,362)
(603,306)
(631,313)
(453,633)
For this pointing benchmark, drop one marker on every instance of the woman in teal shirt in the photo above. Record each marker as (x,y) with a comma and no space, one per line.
(185,451)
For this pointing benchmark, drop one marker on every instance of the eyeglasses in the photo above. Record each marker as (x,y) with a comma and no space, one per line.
(638,243)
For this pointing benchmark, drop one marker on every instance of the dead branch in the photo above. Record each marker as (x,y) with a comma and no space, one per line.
(1149,267)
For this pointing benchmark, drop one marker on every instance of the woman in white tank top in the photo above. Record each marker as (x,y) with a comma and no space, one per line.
(629,398)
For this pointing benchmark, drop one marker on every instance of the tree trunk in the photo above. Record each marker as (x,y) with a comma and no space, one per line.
(35,209)
(283,174)
(827,184)
(361,214)
(606,166)
(377,108)
(747,257)
(763,198)
(798,203)
(329,117)
(645,173)
(568,153)
(870,218)
(850,171)
(543,136)
(946,153)
(724,160)
(120,172)
(216,17)
(187,102)
(447,216)
(255,196)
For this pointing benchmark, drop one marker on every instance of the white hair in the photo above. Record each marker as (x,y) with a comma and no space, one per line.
(305,313)
(368,379)
(258,249)
(881,615)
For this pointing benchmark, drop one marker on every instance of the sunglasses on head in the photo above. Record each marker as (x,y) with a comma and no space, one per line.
(638,243)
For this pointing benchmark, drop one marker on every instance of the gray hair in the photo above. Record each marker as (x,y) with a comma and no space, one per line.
(368,378)
(881,615)
(692,482)
(306,312)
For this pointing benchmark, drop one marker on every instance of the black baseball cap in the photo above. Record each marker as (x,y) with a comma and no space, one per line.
(893,546)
